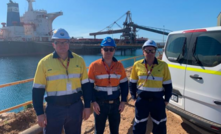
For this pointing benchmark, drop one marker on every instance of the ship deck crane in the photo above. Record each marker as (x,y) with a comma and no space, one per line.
(129,29)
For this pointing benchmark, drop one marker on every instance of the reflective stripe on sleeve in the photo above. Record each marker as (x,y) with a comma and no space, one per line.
(84,81)
(105,76)
(151,78)
(60,93)
(106,88)
(123,80)
(167,82)
(133,81)
(91,80)
(35,85)
(151,89)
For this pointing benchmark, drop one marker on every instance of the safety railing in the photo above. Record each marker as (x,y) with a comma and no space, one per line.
(29,80)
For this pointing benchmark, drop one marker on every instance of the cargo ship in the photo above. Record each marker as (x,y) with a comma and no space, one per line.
(26,35)
(31,33)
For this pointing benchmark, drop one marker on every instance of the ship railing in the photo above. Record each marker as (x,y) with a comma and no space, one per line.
(29,80)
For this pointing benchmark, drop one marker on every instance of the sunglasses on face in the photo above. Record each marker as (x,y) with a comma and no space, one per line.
(61,43)
(148,51)
(108,49)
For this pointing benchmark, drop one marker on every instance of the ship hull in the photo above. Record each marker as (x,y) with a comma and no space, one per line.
(19,48)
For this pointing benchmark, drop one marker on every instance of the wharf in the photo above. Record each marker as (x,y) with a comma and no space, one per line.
(26,120)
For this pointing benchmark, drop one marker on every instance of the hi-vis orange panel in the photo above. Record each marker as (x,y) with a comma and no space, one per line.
(99,75)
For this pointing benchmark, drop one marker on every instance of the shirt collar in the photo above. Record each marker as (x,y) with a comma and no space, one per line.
(114,59)
(154,62)
(55,54)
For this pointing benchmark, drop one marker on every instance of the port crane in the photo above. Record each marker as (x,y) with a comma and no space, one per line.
(129,29)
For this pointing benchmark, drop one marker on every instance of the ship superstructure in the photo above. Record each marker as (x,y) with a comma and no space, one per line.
(34,25)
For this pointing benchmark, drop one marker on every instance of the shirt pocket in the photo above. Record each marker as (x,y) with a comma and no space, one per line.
(74,72)
(53,72)
(142,73)
(158,73)
(117,74)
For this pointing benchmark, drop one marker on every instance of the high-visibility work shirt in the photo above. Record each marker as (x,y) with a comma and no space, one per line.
(106,78)
(61,87)
(154,85)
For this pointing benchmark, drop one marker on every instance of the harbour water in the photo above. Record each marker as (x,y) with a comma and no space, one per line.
(20,68)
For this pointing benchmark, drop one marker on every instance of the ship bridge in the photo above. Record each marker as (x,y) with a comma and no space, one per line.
(38,23)
(34,25)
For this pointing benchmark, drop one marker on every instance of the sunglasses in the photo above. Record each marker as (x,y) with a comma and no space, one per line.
(61,43)
(148,51)
(108,49)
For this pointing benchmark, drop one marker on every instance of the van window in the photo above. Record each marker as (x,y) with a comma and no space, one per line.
(174,47)
(208,49)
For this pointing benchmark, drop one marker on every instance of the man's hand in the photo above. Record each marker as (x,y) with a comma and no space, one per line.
(42,120)
(96,108)
(121,107)
(166,103)
(86,113)
(134,101)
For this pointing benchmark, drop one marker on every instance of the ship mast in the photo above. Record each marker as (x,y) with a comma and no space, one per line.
(30,7)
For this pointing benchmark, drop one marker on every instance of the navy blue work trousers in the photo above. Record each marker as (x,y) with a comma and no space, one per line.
(67,117)
(110,112)
(156,108)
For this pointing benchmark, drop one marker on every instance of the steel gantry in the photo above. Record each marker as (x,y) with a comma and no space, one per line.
(129,29)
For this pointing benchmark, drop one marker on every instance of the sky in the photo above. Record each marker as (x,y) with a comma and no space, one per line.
(81,17)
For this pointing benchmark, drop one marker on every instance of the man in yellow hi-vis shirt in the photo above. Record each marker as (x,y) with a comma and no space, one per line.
(149,82)
(63,76)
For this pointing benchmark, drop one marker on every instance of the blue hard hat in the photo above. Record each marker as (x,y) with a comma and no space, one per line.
(149,43)
(60,34)
(108,41)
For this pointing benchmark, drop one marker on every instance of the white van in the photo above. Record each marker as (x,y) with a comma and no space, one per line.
(194,60)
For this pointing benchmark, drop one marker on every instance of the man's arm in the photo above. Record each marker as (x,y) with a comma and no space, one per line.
(39,89)
(123,85)
(167,83)
(91,77)
(38,98)
(133,83)
(86,86)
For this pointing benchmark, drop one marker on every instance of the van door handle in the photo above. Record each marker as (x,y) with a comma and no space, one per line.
(217,102)
(196,77)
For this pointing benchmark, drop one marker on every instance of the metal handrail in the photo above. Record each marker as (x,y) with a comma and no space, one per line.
(29,80)
(16,83)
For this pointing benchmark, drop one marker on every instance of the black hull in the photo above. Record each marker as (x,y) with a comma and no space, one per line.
(19,48)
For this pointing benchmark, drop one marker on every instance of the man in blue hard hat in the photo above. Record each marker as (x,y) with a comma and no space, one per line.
(149,81)
(108,78)
(62,75)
